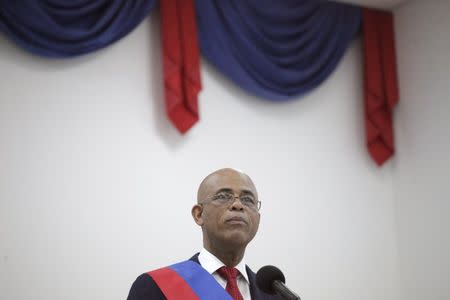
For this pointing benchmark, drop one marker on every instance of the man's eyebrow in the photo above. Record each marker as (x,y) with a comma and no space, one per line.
(229,190)
(224,190)
(247,192)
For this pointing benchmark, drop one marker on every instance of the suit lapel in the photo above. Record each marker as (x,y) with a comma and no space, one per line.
(195,258)
(254,291)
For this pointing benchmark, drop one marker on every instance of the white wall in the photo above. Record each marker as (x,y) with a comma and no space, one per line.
(96,186)
(421,169)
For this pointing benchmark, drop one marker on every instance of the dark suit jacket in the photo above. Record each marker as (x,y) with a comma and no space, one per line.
(145,288)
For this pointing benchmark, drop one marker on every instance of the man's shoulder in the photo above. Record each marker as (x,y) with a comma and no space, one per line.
(144,287)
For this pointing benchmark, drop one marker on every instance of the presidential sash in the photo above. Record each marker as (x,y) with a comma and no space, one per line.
(187,280)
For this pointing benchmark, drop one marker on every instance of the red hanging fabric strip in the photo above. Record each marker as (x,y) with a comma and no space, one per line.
(380,83)
(181,62)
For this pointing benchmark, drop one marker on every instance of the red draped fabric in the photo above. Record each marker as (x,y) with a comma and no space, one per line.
(181,62)
(380,83)
(172,285)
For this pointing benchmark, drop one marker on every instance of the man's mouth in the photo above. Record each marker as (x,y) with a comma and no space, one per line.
(236,220)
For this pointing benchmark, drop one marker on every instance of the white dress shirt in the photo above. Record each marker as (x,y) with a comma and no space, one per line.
(211,264)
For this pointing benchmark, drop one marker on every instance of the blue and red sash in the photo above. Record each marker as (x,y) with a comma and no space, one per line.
(187,280)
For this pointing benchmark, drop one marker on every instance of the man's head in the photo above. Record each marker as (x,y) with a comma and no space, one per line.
(227,223)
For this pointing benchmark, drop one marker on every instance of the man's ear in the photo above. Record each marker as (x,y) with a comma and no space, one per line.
(197,211)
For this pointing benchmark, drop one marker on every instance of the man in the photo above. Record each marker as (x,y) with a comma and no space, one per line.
(227,211)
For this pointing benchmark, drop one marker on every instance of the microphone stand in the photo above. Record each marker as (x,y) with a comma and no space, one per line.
(284,291)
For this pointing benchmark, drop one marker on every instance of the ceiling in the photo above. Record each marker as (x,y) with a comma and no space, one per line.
(385,4)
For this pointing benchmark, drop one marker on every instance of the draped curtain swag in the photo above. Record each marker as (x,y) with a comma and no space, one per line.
(61,28)
(277,50)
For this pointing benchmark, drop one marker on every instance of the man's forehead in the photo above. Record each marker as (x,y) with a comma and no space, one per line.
(232,180)
(226,179)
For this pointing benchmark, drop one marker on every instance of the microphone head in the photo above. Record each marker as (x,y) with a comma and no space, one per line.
(266,276)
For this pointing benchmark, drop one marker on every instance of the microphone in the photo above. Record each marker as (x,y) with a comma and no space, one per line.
(271,281)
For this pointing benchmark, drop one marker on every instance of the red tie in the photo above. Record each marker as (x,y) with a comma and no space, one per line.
(230,275)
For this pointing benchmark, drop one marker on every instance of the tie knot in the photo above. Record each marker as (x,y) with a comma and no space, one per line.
(228,273)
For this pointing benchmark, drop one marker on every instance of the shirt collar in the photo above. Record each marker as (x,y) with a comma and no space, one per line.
(211,263)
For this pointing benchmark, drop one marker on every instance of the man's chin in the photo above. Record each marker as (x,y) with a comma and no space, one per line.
(237,238)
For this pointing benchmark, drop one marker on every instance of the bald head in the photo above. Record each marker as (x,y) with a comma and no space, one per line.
(224,178)
(227,226)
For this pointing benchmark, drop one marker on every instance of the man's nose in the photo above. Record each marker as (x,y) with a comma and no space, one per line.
(237,204)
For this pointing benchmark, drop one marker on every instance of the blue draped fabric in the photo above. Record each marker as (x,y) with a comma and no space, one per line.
(276,49)
(64,28)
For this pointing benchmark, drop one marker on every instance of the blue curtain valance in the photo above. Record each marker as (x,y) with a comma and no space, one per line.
(62,28)
(276,49)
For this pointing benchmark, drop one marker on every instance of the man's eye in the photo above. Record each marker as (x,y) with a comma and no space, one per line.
(248,199)
(222,196)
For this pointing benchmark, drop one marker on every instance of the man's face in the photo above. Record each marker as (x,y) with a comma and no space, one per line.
(229,224)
